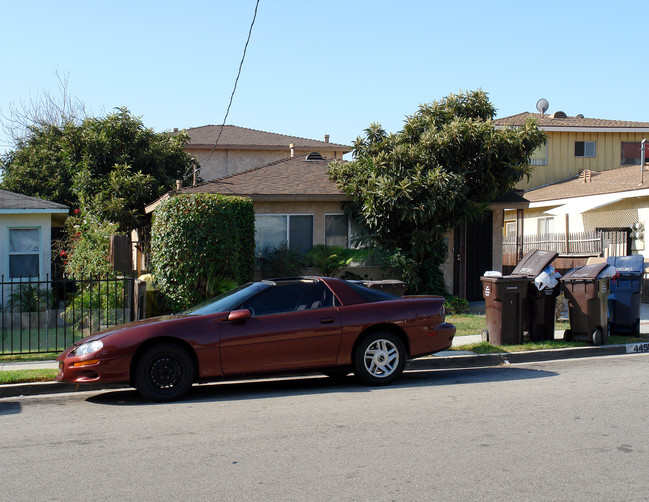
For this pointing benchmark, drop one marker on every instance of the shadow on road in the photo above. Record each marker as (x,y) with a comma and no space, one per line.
(316,384)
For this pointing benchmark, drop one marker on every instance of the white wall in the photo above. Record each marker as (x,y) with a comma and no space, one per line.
(43,223)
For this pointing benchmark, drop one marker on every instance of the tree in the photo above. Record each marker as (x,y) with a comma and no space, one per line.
(109,167)
(443,168)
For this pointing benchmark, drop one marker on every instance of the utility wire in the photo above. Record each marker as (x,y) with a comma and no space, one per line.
(227,112)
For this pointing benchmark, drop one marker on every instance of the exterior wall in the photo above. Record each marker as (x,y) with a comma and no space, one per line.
(41,221)
(563,164)
(225,162)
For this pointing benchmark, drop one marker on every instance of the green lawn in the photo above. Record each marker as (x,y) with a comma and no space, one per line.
(35,340)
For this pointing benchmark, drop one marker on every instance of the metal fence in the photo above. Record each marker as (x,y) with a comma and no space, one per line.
(49,315)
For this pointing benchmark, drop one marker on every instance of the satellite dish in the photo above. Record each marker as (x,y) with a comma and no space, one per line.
(542,106)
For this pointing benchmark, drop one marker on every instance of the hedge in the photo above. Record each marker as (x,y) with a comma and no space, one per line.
(198,241)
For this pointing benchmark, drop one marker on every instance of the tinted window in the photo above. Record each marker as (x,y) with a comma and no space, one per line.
(371,295)
(228,301)
(292,296)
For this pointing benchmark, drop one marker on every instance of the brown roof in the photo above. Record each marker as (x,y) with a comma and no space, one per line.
(292,179)
(623,179)
(16,201)
(548,121)
(241,137)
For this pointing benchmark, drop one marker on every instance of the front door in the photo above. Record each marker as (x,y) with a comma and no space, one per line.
(473,257)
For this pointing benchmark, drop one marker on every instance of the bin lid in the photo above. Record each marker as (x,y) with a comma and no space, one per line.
(627,264)
(534,262)
(585,272)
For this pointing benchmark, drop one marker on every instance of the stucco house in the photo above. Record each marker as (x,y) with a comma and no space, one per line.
(26,235)
(225,150)
(588,185)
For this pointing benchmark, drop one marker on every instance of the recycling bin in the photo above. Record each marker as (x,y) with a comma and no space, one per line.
(504,298)
(587,295)
(626,294)
(539,307)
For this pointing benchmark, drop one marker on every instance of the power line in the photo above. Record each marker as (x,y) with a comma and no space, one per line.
(243,57)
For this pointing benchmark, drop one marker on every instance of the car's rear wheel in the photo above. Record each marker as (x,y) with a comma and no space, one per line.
(164,372)
(379,358)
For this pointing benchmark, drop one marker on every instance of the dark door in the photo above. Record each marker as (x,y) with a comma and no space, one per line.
(293,326)
(473,256)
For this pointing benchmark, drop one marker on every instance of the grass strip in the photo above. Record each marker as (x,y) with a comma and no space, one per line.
(22,376)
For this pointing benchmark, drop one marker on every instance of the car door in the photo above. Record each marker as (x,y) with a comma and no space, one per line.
(294,325)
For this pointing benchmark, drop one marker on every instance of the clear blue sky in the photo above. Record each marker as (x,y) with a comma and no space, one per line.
(326,67)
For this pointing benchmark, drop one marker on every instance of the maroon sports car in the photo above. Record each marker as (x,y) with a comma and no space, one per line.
(284,325)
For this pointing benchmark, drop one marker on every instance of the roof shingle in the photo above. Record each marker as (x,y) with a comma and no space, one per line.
(550,121)
(12,200)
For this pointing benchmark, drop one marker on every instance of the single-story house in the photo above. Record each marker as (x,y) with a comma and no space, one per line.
(26,235)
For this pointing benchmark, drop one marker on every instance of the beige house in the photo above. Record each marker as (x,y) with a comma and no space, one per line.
(587,185)
(225,150)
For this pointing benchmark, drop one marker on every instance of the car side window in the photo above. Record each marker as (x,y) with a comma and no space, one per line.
(290,297)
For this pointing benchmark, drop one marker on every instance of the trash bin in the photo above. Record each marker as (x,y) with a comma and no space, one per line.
(626,294)
(504,297)
(587,290)
(539,307)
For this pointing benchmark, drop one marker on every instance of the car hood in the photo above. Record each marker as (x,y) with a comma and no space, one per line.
(141,323)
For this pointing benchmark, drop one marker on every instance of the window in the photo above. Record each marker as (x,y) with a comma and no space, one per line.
(339,231)
(584,149)
(294,296)
(631,154)
(271,230)
(510,228)
(540,156)
(545,226)
(24,252)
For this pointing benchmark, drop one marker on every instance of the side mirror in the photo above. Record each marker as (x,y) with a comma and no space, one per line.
(239,315)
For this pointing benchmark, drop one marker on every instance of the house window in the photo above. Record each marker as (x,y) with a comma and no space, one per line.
(540,156)
(631,153)
(336,230)
(271,230)
(545,226)
(584,149)
(24,252)
(510,228)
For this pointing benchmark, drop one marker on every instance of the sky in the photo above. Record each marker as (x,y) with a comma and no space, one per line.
(314,68)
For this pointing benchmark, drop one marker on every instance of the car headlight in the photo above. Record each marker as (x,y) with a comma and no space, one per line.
(88,348)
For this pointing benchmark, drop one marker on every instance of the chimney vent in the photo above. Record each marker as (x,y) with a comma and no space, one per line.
(179,184)
(175,129)
(326,138)
(292,147)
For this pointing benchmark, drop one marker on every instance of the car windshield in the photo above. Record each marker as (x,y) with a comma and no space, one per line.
(227,301)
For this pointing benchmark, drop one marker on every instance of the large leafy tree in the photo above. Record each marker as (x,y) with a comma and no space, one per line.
(443,168)
(109,167)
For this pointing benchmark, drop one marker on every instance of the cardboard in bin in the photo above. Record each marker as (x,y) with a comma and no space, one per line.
(587,272)
(534,262)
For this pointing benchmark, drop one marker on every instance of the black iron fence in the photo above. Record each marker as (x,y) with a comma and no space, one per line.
(49,315)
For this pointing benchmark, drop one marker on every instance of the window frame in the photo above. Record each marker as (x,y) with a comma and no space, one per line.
(38,253)
(349,228)
(288,226)
(635,160)
(543,161)
(585,155)
(545,220)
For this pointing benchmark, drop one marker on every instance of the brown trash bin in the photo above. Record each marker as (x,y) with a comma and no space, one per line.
(504,298)
(539,308)
(587,296)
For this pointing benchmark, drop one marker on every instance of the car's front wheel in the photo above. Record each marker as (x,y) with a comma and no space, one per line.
(164,372)
(379,358)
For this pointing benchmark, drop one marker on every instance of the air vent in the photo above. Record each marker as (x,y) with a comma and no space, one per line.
(580,116)
(314,156)
(559,115)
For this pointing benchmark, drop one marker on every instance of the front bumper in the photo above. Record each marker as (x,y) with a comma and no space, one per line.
(93,368)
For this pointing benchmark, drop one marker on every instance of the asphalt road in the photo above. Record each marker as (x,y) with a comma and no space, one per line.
(559,430)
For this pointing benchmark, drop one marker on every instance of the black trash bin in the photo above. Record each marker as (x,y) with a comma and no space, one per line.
(626,294)
(587,294)
(539,307)
(504,298)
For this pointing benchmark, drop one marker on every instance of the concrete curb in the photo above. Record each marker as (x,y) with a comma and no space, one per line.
(433,362)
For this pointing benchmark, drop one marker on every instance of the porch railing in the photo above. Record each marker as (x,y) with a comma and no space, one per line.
(596,243)
(49,315)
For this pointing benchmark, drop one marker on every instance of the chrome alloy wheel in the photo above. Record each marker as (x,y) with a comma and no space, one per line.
(381,358)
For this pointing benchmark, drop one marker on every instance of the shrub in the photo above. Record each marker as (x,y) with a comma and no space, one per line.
(196,238)
(28,298)
(456,305)
(329,260)
(279,261)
